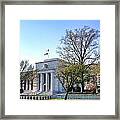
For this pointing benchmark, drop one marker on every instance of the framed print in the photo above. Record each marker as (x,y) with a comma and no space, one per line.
(60,59)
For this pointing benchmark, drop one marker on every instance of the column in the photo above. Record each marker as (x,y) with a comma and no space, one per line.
(46,82)
(41,82)
(21,84)
(51,89)
(49,81)
(24,84)
(30,85)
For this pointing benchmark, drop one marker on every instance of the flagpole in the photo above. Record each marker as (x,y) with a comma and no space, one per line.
(47,53)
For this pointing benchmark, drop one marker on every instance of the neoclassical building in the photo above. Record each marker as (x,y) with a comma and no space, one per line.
(48,83)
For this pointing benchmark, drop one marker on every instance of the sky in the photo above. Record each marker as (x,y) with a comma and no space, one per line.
(37,36)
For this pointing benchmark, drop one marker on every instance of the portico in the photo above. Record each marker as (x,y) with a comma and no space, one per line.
(45,81)
(48,83)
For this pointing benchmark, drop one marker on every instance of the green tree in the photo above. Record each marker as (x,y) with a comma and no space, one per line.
(95,69)
(80,46)
(68,75)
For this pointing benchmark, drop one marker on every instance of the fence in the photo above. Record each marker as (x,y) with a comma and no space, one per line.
(35,97)
(62,96)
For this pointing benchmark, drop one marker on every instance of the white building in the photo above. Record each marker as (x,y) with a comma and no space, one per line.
(47,80)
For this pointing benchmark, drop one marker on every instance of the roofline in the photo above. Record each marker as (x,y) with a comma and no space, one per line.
(49,60)
(56,59)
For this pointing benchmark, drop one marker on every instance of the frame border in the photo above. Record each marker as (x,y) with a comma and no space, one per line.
(55,2)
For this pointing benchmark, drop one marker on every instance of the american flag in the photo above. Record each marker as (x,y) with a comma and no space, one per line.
(47,52)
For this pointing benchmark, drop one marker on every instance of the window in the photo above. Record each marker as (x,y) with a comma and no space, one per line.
(45,65)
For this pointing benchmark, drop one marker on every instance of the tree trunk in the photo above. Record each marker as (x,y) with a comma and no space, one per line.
(82,83)
(66,96)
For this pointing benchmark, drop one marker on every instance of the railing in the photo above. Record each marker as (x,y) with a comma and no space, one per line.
(70,96)
(77,96)
(35,97)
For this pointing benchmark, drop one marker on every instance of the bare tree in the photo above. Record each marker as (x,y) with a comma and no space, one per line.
(80,46)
